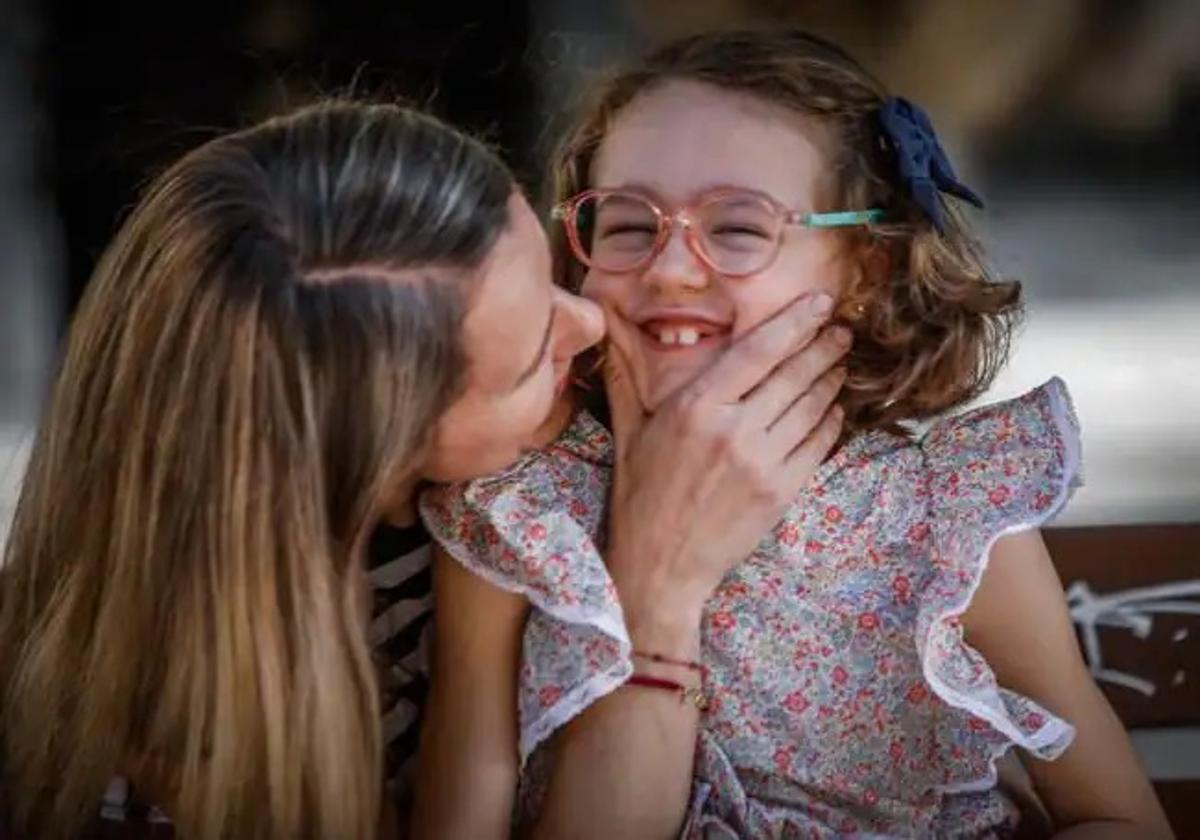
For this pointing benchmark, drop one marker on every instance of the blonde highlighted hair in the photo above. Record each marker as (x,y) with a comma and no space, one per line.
(257,363)
(929,335)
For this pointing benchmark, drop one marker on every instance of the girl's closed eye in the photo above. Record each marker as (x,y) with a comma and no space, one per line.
(739,237)
(733,229)
(627,233)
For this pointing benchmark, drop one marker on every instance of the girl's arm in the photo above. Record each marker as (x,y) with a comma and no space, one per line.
(468,758)
(1020,623)
(624,767)
(696,486)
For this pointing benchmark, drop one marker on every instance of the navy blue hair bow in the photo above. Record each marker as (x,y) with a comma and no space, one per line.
(924,168)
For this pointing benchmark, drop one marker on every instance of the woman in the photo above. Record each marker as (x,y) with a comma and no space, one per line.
(296,326)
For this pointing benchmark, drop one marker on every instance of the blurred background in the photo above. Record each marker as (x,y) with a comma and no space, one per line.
(1079,120)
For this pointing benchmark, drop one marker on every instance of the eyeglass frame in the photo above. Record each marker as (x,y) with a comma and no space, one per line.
(567,212)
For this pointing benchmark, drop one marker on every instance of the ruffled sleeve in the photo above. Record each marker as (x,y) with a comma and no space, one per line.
(531,530)
(995,471)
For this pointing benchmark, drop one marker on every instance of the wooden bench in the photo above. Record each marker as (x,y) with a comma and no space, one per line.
(1135,596)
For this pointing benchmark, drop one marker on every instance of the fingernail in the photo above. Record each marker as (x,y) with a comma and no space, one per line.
(842,336)
(822,304)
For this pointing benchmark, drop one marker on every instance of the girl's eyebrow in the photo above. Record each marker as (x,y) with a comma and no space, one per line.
(656,194)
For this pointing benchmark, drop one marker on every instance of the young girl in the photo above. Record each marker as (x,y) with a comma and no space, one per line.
(902,626)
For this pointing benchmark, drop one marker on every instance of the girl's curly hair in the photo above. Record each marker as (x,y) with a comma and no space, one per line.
(935,332)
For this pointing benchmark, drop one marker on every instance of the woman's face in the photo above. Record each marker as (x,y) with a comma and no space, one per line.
(520,336)
(674,144)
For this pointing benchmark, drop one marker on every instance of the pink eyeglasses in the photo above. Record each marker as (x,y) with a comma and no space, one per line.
(734,232)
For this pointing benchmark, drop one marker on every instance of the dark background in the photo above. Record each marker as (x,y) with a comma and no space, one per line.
(128,88)
(1079,120)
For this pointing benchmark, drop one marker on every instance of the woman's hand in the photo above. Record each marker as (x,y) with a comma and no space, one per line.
(696,487)
(701,482)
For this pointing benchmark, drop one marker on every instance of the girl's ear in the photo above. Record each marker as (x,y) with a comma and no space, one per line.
(877,262)
(872,263)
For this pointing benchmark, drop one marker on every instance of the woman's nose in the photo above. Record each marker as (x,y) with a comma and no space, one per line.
(582,323)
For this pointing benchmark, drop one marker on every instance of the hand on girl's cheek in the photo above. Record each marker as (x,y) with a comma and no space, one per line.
(623,336)
(619,332)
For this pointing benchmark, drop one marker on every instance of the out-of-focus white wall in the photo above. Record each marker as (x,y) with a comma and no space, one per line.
(1113,298)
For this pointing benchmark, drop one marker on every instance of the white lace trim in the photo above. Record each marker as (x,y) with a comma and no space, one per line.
(571,704)
(1055,735)
(579,697)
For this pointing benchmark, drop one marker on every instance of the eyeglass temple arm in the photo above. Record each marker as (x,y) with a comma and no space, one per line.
(845,218)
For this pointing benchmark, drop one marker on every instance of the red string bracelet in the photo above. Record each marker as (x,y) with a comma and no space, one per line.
(686,694)
(667,660)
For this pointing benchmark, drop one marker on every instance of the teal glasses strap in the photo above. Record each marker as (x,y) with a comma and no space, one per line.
(846,218)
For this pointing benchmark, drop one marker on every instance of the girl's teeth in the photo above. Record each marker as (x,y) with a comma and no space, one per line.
(683,336)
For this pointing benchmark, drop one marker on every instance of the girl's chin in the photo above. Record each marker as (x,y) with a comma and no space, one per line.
(663,387)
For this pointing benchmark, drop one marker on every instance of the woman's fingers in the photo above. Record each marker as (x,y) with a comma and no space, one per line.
(738,443)
(625,407)
(752,358)
(804,415)
(791,381)
(802,464)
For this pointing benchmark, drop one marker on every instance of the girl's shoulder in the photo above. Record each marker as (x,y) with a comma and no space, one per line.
(1004,467)
(1006,464)
(997,470)
(1029,434)
(949,493)
(895,537)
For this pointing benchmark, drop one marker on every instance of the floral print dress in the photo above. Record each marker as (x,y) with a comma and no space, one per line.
(844,700)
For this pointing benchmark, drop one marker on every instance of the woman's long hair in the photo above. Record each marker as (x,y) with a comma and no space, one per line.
(258,361)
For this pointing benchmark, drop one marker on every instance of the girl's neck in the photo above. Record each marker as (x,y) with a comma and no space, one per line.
(557,422)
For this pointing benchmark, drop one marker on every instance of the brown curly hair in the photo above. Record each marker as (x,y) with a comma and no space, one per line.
(934,330)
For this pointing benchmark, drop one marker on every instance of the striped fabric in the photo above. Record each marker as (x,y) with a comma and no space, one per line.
(400,576)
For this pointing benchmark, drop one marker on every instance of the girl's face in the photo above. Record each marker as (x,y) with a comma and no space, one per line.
(675,144)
